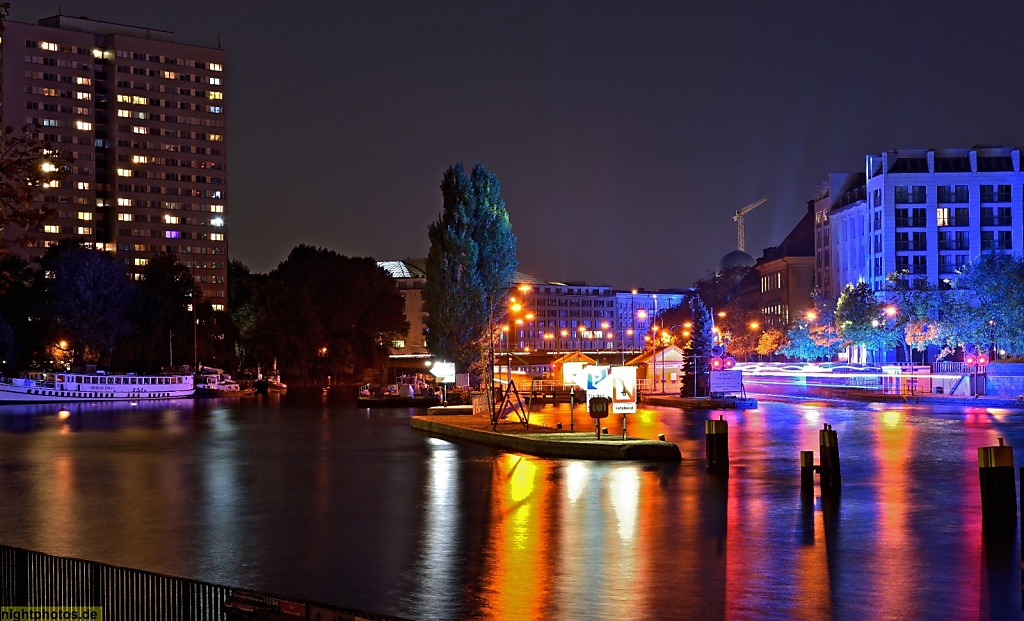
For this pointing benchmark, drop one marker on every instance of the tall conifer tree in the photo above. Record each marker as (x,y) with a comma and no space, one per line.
(472,259)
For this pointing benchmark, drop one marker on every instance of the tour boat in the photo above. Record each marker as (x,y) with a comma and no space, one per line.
(97,386)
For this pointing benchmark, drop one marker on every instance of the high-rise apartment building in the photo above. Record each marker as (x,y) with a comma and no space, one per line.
(144,118)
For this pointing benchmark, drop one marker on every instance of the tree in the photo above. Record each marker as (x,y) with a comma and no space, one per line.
(988,303)
(471,261)
(861,319)
(697,353)
(162,319)
(770,342)
(87,294)
(919,312)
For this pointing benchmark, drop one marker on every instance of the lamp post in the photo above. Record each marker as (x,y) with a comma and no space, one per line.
(632,318)
(490,348)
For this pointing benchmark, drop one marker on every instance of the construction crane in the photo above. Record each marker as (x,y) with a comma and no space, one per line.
(738,219)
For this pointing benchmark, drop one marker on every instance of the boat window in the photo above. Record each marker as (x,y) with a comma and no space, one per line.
(133,381)
(60,378)
(117,380)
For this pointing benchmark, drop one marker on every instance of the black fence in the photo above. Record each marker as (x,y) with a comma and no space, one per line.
(35,579)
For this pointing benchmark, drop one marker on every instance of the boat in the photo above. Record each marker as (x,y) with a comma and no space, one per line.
(271,382)
(61,387)
(211,382)
(398,395)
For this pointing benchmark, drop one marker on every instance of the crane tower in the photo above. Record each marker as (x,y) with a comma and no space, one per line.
(738,219)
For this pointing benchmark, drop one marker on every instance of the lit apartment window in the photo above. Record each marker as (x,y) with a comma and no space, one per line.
(218,307)
(215,109)
(83,185)
(140,261)
(124,172)
(124,217)
(217,222)
(942,216)
(52,47)
(51,228)
(97,53)
(138,129)
(83,96)
(216,67)
(216,137)
(216,236)
(83,125)
(83,81)
(216,95)
(215,81)
(84,215)
(171,219)
(140,159)
(217,208)
(124,202)
(172,234)
(84,230)
(124,113)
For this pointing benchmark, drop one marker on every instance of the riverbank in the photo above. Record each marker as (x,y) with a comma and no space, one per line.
(543,441)
(840,395)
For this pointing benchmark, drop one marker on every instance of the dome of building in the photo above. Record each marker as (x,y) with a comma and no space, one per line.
(736,258)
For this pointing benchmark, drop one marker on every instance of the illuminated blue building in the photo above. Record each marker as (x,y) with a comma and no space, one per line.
(925,212)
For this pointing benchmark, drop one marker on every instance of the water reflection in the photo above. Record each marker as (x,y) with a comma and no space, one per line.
(322,500)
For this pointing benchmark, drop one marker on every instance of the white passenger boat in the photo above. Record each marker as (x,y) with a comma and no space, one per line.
(98,386)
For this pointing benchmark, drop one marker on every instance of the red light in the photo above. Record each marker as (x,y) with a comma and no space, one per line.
(970,360)
(717,364)
(982,360)
(729,362)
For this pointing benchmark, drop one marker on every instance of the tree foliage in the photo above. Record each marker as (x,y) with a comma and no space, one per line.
(988,303)
(697,353)
(87,295)
(472,259)
(319,313)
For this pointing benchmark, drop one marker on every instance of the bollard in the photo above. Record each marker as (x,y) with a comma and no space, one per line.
(807,471)
(829,469)
(998,488)
(716,444)
(604,430)
(572,410)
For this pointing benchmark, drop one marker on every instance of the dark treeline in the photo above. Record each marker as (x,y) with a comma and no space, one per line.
(319,313)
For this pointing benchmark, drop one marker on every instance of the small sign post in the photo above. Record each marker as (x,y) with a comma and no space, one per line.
(599,408)
(445,373)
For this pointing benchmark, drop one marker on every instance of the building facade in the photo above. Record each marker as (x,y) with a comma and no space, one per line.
(144,118)
(550,317)
(924,212)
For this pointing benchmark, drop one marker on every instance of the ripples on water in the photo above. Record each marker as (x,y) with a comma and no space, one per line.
(311,498)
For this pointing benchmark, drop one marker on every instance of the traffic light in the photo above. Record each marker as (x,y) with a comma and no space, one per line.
(716,364)
(728,362)
(982,360)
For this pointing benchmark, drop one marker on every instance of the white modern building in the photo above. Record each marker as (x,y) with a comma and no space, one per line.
(926,212)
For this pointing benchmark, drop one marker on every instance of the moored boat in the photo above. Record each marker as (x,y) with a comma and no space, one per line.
(97,386)
(211,382)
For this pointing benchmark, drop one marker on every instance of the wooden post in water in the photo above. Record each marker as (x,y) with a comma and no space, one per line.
(807,471)
(716,444)
(829,468)
(998,487)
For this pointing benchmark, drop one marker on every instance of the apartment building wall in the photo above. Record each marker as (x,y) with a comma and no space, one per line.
(144,118)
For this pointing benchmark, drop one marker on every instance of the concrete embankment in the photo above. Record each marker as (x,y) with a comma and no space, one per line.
(544,441)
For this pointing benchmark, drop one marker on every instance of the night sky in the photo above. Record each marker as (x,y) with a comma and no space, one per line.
(624,134)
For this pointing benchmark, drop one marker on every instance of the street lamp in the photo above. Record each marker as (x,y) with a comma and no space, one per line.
(490,346)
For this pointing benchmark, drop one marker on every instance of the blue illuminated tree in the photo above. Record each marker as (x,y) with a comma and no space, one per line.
(988,303)
(697,352)
(472,259)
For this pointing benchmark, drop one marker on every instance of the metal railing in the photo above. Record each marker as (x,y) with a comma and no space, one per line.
(30,578)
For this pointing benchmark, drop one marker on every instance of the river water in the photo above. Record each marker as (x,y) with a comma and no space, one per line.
(308,496)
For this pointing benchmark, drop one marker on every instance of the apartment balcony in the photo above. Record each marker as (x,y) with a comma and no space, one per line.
(909,245)
(996,221)
(911,223)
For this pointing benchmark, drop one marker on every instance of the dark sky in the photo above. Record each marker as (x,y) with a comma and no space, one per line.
(624,134)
